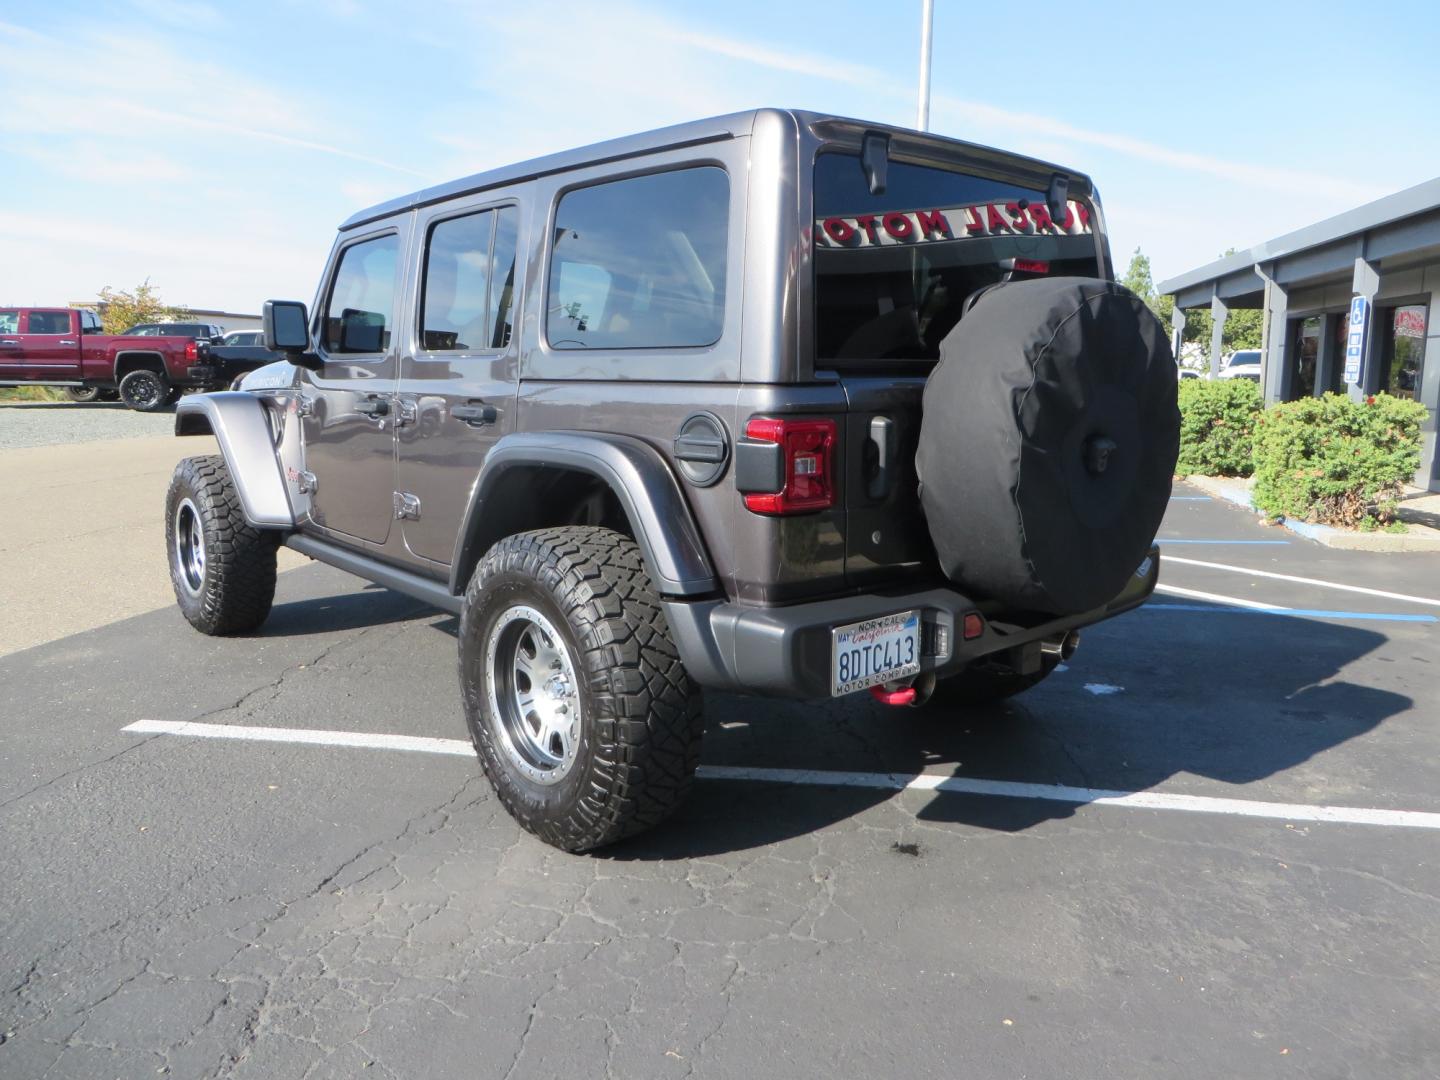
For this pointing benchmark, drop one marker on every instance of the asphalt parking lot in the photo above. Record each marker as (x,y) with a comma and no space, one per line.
(290,865)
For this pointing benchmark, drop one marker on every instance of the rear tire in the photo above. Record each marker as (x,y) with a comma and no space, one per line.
(985,684)
(603,741)
(222,569)
(144,390)
(83,394)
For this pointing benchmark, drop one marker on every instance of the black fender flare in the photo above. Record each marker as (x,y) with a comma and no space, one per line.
(643,483)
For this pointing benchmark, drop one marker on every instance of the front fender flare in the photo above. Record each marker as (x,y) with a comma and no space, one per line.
(641,480)
(238,422)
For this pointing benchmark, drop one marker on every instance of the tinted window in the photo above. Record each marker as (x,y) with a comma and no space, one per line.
(457,283)
(640,263)
(49,322)
(9,322)
(362,298)
(893,271)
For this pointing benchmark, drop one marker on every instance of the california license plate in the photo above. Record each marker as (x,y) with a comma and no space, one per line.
(874,651)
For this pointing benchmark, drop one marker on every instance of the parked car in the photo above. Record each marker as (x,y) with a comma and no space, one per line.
(647,417)
(64,347)
(1242,364)
(199,331)
(241,352)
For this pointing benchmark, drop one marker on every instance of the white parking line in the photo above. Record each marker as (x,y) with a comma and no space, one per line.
(1304,580)
(962,785)
(1196,594)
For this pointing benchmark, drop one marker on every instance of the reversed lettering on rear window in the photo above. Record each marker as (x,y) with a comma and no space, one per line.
(893,270)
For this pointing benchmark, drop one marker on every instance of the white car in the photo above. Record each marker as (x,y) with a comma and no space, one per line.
(1242,364)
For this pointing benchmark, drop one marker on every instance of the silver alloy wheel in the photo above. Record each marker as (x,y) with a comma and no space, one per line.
(534,694)
(189,551)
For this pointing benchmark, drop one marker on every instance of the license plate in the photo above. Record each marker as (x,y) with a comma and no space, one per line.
(874,651)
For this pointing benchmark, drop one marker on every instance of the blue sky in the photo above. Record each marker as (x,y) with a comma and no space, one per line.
(214,147)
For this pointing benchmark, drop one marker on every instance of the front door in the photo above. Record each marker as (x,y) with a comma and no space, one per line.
(349,427)
(457,390)
(49,346)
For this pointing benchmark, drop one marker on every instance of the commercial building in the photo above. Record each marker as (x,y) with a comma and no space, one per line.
(1351,303)
(229,320)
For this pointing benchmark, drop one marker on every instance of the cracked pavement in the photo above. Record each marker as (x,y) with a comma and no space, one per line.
(194,908)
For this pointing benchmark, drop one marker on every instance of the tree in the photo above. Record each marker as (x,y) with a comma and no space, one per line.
(1244,327)
(120,310)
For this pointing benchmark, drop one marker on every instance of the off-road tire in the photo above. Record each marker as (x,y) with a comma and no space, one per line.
(985,684)
(83,394)
(144,390)
(234,591)
(641,721)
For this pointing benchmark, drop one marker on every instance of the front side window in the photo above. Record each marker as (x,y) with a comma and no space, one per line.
(893,271)
(640,263)
(49,322)
(360,313)
(9,322)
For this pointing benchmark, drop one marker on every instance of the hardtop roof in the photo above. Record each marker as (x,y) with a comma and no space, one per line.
(694,133)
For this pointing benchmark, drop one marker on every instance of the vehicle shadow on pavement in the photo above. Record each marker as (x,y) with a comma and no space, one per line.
(371,606)
(1227,696)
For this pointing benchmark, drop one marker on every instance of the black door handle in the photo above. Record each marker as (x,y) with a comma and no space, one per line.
(373,407)
(476,414)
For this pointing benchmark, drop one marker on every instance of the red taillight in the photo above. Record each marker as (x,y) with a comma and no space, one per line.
(192,351)
(973,626)
(807,452)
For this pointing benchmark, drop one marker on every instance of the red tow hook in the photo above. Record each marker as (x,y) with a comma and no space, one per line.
(903,696)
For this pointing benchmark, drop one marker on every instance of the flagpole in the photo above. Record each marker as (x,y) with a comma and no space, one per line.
(927,19)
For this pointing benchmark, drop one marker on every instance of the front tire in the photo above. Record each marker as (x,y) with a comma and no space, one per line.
(144,390)
(222,568)
(578,705)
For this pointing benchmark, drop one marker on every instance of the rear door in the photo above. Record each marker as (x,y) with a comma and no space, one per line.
(456,394)
(892,273)
(348,427)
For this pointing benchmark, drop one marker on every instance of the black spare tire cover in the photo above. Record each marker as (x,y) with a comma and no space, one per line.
(1048,443)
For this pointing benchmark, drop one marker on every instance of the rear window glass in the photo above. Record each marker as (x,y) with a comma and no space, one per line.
(893,271)
(640,263)
(49,322)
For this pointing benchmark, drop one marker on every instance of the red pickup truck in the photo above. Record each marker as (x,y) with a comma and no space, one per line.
(65,347)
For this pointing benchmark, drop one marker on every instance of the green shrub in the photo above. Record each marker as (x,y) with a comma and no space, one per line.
(31,393)
(1217,421)
(1336,461)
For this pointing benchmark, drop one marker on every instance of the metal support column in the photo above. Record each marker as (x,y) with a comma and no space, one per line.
(1218,311)
(1367,284)
(1275,339)
(1177,332)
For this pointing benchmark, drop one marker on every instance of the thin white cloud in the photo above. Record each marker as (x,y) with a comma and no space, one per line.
(183,14)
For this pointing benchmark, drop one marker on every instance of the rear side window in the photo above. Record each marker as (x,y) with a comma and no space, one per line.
(640,263)
(360,313)
(469,282)
(893,271)
(49,322)
(9,322)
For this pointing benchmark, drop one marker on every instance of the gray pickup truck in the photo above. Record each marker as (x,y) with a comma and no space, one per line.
(776,403)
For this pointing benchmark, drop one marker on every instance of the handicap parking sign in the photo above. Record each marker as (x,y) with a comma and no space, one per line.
(1355,339)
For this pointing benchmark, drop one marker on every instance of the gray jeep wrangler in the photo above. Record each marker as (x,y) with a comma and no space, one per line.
(775,403)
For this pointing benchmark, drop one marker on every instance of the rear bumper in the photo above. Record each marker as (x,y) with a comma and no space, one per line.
(785,651)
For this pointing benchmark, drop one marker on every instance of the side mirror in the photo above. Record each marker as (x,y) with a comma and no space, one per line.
(287,330)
